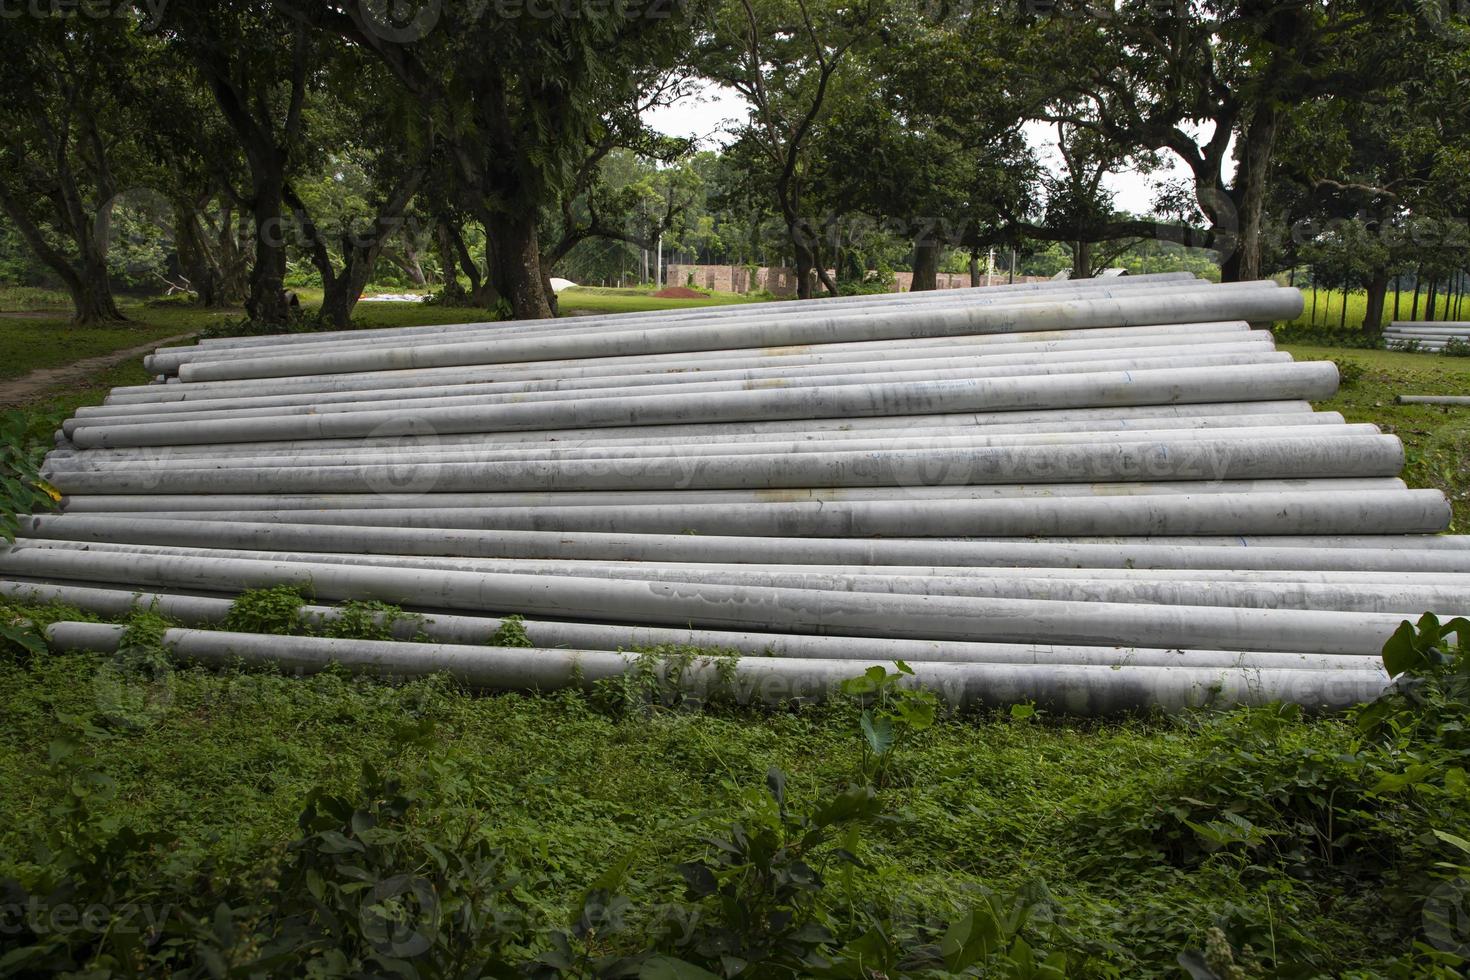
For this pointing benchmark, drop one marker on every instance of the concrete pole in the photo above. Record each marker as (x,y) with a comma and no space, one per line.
(208,611)
(1372,553)
(1166,386)
(1158,588)
(743,607)
(1252,305)
(1076,689)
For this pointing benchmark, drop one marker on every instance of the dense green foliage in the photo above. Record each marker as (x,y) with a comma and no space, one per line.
(228,823)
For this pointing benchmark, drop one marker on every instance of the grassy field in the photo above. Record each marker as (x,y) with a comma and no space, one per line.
(1326,308)
(1306,846)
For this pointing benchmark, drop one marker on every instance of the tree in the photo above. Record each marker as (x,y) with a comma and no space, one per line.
(928,138)
(1211,82)
(382,154)
(260,70)
(1370,186)
(784,56)
(516,101)
(67,148)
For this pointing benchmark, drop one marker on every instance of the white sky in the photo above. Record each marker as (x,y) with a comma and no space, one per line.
(707,114)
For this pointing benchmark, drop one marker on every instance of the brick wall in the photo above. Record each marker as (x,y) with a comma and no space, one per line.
(781,280)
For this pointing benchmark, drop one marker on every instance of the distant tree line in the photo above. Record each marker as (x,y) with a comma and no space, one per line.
(226,149)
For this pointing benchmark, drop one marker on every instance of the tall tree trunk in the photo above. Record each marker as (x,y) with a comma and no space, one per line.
(1432,299)
(1377,293)
(513,251)
(1414,310)
(1081,261)
(91,294)
(805,263)
(86,279)
(926,263)
(1398,288)
(1249,195)
(266,302)
(974,268)
(453,293)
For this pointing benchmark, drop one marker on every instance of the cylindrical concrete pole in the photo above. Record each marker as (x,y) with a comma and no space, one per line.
(1084,690)
(1252,305)
(1184,385)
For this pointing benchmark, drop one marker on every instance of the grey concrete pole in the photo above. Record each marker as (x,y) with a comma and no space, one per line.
(1096,339)
(705,312)
(749,607)
(1085,690)
(1412,553)
(170,361)
(1433,399)
(1252,305)
(945,369)
(625,455)
(1184,385)
(1210,458)
(1038,432)
(203,610)
(1158,589)
(790,367)
(409,434)
(1393,512)
(209,507)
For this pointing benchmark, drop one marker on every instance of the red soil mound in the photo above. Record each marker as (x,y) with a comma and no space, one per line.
(680,292)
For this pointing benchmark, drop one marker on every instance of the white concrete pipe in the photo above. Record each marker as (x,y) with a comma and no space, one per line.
(1433,399)
(1177,386)
(1376,597)
(1252,305)
(948,369)
(745,607)
(816,304)
(1185,457)
(202,610)
(169,362)
(1096,340)
(1083,690)
(1375,554)
(407,434)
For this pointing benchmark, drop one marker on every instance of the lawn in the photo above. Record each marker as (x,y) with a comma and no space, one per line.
(1326,308)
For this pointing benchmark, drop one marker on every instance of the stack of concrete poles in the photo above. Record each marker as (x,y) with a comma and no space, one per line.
(1096,495)
(1426,335)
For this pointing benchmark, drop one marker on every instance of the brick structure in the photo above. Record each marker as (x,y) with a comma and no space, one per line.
(781,280)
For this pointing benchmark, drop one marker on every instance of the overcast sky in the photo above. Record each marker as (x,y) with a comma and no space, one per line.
(714,108)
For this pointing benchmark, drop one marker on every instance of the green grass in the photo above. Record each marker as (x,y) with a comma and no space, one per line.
(1330,308)
(223,762)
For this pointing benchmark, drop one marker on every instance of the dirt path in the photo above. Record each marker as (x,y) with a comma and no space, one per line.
(27,387)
